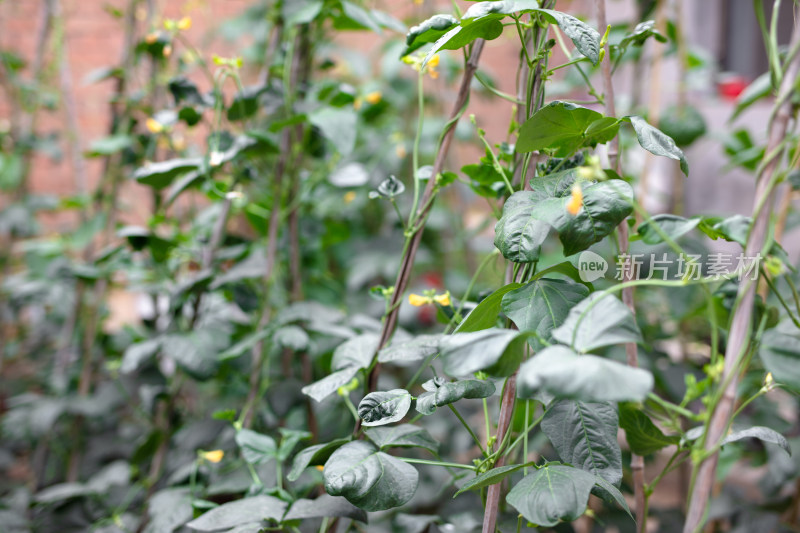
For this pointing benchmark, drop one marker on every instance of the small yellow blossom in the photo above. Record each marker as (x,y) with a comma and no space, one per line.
(167,50)
(419,2)
(154,126)
(150,38)
(442,299)
(769,382)
(576,200)
(434,61)
(349,197)
(374,97)
(400,151)
(214,456)
(357,104)
(418,301)
(320,468)
(185,23)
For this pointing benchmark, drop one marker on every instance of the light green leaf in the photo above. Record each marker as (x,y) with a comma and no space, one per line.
(585,435)
(542,305)
(608,492)
(289,439)
(256,448)
(760,88)
(384,407)
(562,127)
(657,142)
(484,315)
(292,337)
(369,478)
(402,436)
(599,320)
(672,225)
(416,349)
(497,351)
(236,513)
(440,393)
(490,477)
(643,436)
(356,352)
(168,509)
(551,494)
(565,374)
(319,390)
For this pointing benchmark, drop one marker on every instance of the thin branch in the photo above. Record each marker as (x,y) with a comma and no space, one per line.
(503,427)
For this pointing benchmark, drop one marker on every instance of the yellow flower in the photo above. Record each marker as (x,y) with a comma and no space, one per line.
(151,38)
(154,126)
(419,2)
(576,200)
(418,301)
(167,50)
(400,151)
(442,299)
(434,61)
(374,97)
(357,104)
(213,456)
(349,196)
(320,468)
(769,382)
(185,23)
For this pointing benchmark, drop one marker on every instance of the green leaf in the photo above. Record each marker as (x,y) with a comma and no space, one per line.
(301,11)
(160,175)
(565,374)
(542,305)
(428,31)
(608,492)
(684,124)
(599,320)
(109,145)
(584,37)
(289,439)
(484,315)
(319,390)
(761,433)
(137,354)
(312,456)
(440,393)
(657,142)
(168,509)
(760,88)
(292,337)
(585,435)
(244,511)
(528,216)
(497,351)
(256,448)
(487,28)
(369,478)
(402,436)
(338,126)
(490,477)
(643,436)
(780,353)
(559,126)
(324,506)
(501,7)
(551,494)
(672,225)
(357,352)
(384,407)
(245,103)
(416,349)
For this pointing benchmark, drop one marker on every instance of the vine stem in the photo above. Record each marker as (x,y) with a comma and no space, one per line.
(503,427)
(704,471)
(410,252)
(637,461)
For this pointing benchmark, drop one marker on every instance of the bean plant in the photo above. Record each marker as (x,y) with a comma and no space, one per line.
(314,353)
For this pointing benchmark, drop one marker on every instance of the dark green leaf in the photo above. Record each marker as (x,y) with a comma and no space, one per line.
(484,315)
(608,492)
(448,392)
(599,320)
(244,511)
(760,88)
(565,374)
(495,350)
(356,352)
(780,352)
(402,436)
(416,349)
(585,435)
(301,11)
(338,126)
(657,142)
(761,433)
(428,32)
(542,305)
(643,436)
(583,36)
(160,175)
(256,448)
(559,126)
(245,103)
(490,477)
(325,506)
(312,456)
(384,407)
(369,478)
(167,509)
(319,390)
(289,439)
(672,225)
(551,494)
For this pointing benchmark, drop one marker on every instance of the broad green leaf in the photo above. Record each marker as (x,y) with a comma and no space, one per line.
(402,436)
(312,456)
(584,37)
(657,142)
(160,175)
(761,433)
(734,228)
(484,315)
(599,320)
(196,351)
(528,216)
(289,439)
(428,31)
(319,390)
(416,349)
(338,126)
(608,492)
(684,124)
(137,354)
(236,513)
(558,126)
(585,435)
(301,11)
(292,337)
(109,145)
(780,352)
(168,509)
(324,506)
(245,103)
(760,88)
(497,351)
(356,352)
(501,7)
(643,436)
(672,225)
(368,478)
(384,407)
(542,305)
(63,491)
(487,28)
(490,477)
(565,374)
(551,494)
(256,448)
(440,393)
